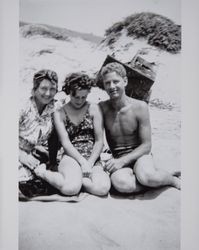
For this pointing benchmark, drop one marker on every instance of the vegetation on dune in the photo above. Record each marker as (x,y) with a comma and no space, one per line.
(158,30)
(58,33)
(31,30)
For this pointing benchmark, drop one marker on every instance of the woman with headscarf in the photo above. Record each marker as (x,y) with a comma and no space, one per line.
(35,127)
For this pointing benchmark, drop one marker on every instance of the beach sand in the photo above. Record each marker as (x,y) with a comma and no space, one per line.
(149,221)
(142,222)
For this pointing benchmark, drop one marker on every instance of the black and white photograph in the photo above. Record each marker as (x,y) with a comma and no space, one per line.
(99,124)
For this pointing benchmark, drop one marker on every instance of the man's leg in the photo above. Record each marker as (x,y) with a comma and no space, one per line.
(124,181)
(149,176)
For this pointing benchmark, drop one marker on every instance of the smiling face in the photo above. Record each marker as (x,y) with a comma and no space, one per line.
(45,92)
(79,98)
(114,84)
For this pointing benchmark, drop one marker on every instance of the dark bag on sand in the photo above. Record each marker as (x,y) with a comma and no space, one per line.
(37,186)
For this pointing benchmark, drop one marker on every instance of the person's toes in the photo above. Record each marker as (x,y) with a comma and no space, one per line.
(40,170)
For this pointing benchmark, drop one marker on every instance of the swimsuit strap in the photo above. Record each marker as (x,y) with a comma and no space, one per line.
(86,115)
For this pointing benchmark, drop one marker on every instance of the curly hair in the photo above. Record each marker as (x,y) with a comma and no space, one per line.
(77,81)
(44,74)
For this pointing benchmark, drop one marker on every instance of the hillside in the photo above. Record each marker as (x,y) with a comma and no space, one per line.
(43,46)
(50,31)
(157,30)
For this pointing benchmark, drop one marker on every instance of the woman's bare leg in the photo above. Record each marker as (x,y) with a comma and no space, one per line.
(68,179)
(99,182)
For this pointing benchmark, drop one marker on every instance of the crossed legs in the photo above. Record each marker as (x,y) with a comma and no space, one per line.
(143,174)
(68,180)
(99,182)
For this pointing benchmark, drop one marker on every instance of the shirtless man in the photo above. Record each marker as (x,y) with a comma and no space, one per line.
(128,133)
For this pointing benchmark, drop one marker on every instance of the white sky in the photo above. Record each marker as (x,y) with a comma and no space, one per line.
(93,16)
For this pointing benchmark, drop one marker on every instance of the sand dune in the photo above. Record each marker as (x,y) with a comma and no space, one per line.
(144,222)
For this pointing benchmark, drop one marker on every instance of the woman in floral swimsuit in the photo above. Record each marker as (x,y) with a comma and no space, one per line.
(79,126)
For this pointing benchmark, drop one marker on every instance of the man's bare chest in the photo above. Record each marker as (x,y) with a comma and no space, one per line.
(120,123)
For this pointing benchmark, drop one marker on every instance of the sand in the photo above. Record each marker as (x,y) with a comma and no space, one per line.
(142,222)
(150,221)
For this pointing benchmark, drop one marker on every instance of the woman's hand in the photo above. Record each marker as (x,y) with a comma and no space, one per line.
(86,167)
(28,160)
(40,149)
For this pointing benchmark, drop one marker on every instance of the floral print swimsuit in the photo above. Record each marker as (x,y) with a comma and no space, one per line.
(81,135)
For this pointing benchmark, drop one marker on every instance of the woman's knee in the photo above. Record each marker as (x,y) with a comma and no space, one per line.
(104,186)
(72,174)
(101,184)
(124,182)
(71,188)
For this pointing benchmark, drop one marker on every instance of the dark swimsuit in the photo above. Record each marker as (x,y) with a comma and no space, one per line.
(81,135)
(119,150)
(123,150)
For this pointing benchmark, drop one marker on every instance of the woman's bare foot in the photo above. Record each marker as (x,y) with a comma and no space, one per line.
(40,170)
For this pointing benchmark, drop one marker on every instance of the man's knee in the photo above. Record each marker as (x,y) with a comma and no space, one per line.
(124,181)
(145,171)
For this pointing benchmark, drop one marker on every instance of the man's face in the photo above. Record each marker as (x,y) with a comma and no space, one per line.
(114,84)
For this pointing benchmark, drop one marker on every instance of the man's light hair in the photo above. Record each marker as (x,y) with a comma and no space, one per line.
(113,67)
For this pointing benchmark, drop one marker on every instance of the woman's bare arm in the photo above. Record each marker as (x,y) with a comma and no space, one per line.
(95,111)
(64,138)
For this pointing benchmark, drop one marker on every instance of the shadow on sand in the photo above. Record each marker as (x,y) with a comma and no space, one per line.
(148,194)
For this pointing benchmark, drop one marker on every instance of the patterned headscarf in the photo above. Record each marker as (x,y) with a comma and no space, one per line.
(44,74)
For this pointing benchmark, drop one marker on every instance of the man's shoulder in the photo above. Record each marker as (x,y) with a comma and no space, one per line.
(136,107)
(138,104)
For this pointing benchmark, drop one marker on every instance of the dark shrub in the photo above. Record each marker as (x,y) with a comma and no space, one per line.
(158,30)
